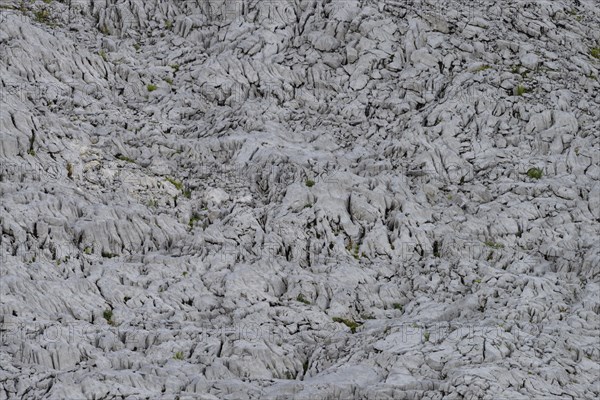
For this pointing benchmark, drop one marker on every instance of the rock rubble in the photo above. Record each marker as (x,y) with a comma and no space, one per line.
(283,199)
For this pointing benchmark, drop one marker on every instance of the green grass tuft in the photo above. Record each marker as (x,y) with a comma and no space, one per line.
(309,183)
(193,219)
(348,322)
(356,250)
(534,173)
(595,52)
(107,254)
(42,16)
(108,315)
(175,183)
(521,90)
(125,158)
(482,68)
(178,355)
(493,245)
(301,299)
(151,87)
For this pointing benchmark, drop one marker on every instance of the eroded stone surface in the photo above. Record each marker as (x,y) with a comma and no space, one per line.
(282,199)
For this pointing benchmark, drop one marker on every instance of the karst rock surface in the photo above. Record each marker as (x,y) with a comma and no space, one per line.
(284,199)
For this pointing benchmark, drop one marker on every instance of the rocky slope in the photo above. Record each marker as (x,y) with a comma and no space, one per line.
(288,199)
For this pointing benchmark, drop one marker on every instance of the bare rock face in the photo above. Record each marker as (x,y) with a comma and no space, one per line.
(300,199)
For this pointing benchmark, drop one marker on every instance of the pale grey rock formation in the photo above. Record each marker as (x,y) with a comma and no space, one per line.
(300,199)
